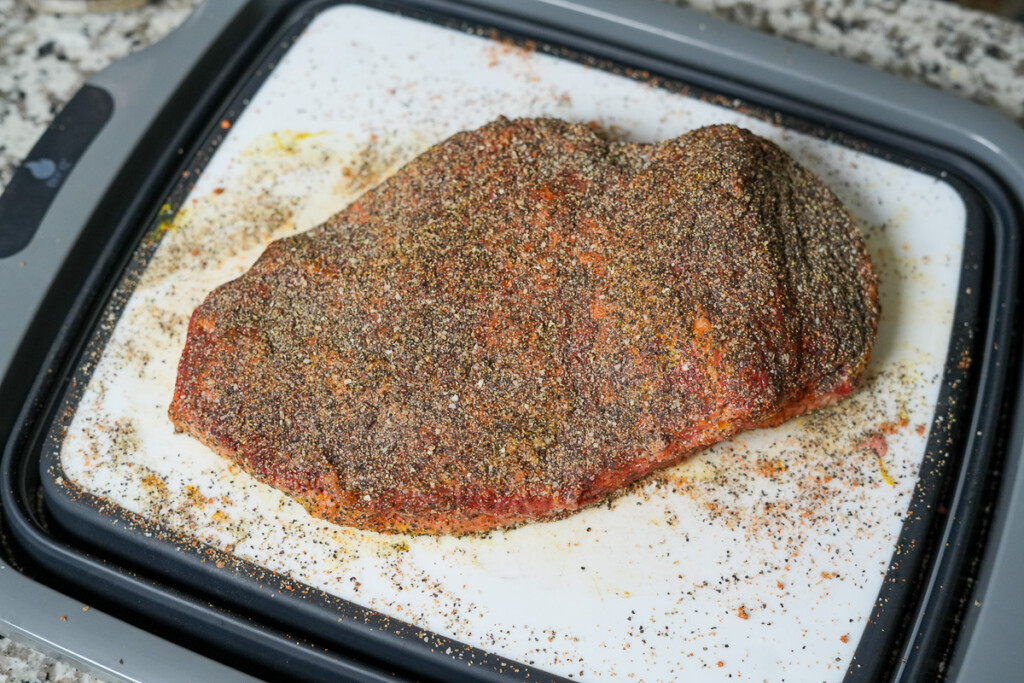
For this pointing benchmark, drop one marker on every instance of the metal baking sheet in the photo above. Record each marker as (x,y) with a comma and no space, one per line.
(761,557)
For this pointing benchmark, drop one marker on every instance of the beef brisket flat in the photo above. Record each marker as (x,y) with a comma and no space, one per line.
(526,318)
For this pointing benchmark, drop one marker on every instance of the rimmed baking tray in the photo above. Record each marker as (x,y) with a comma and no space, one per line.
(548,65)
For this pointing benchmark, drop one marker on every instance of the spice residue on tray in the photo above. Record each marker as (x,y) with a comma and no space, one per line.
(291,181)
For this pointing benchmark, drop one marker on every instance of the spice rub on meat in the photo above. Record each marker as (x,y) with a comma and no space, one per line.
(526,318)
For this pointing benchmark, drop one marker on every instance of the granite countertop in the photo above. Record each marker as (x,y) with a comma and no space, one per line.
(44,59)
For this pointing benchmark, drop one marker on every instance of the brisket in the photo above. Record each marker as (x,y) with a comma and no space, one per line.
(526,318)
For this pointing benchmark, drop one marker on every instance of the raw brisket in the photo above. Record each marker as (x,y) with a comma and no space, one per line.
(526,318)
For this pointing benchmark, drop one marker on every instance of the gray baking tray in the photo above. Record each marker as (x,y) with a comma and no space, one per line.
(994,204)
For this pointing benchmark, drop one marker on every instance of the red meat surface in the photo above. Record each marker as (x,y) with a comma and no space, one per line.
(526,318)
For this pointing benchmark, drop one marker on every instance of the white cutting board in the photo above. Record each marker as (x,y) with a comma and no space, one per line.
(759,559)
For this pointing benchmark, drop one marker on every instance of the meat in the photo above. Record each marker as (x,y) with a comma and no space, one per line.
(526,318)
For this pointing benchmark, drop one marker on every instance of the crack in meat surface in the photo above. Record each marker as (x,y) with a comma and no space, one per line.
(526,318)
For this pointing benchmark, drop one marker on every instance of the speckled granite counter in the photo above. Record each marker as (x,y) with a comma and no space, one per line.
(44,59)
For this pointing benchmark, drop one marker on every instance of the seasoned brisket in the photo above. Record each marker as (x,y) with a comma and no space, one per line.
(526,318)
